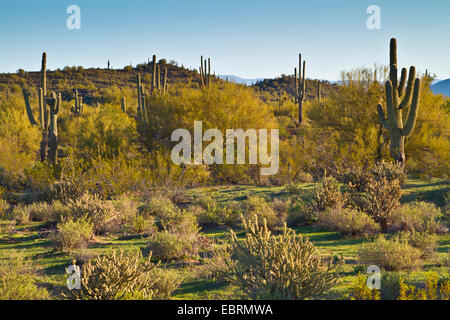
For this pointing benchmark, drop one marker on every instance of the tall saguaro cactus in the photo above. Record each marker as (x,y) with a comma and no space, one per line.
(399,98)
(205,72)
(54,102)
(300,87)
(47,117)
(153,87)
(165,81)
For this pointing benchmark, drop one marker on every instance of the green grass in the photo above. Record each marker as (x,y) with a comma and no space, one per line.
(28,240)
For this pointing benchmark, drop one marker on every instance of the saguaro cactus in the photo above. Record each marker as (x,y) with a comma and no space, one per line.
(124,105)
(141,110)
(300,87)
(153,87)
(397,100)
(78,108)
(205,72)
(165,81)
(43,110)
(319,91)
(54,102)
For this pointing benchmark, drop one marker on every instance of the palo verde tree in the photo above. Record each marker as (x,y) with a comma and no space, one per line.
(398,99)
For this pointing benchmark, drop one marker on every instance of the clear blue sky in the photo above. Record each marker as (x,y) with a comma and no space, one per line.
(247,38)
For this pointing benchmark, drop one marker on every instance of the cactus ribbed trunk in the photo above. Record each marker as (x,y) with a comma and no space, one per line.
(153,87)
(124,105)
(300,87)
(55,104)
(165,81)
(399,98)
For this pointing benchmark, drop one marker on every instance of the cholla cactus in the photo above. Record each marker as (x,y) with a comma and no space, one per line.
(397,100)
(117,275)
(267,266)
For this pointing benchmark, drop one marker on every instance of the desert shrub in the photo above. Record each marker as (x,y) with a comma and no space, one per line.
(348,222)
(163,209)
(300,213)
(418,217)
(49,212)
(123,275)
(18,279)
(390,284)
(20,214)
(392,255)
(217,266)
(328,195)
(177,241)
(4,209)
(73,234)
(445,260)
(426,243)
(110,178)
(8,226)
(304,177)
(278,267)
(165,283)
(104,216)
(360,290)
(41,176)
(257,206)
(210,213)
(379,200)
(141,224)
(432,291)
(389,171)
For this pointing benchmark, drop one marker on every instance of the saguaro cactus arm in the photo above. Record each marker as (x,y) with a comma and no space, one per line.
(26,97)
(382,118)
(409,88)
(412,116)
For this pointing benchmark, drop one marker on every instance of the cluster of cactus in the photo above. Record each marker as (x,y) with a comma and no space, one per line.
(141,109)
(398,99)
(156,77)
(78,108)
(205,72)
(49,107)
(300,87)
(156,86)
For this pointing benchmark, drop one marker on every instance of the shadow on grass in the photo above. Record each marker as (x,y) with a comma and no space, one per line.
(200,286)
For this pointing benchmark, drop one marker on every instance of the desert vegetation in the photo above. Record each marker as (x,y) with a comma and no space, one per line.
(87,180)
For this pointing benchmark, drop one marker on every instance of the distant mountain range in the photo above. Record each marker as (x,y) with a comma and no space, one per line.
(240,80)
(442,87)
